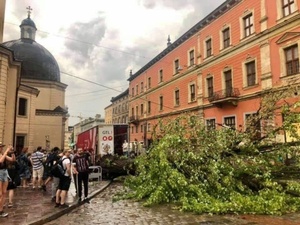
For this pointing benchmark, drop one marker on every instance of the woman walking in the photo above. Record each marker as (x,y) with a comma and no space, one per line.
(4,158)
(24,167)
(14,180)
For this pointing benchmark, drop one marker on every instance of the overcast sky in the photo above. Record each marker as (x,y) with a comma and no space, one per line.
(97,42)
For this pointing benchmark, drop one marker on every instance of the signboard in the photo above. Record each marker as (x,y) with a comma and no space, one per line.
(106,140)
(87,140)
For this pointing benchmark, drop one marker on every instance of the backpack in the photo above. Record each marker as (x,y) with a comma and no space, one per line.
(22,162)
(57,169)
(51,158)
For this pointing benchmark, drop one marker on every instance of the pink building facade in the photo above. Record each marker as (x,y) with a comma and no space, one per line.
(219,67)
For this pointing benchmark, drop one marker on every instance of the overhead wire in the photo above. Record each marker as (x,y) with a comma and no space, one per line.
(92,82)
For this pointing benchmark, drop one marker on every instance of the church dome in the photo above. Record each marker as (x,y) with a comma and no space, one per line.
(28,22)
(37,62)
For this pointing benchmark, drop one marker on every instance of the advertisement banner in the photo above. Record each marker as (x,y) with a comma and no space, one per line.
(106,140)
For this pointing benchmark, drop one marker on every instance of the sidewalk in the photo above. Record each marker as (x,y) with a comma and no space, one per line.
(34,207)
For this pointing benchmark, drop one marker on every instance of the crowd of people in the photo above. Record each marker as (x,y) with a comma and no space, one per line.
(36,170)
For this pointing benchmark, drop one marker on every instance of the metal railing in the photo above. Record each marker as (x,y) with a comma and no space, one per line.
(224,94)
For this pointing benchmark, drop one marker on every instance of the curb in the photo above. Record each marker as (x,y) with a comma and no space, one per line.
(55,215)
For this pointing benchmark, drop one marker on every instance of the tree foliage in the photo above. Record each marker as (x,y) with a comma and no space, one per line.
(219,170)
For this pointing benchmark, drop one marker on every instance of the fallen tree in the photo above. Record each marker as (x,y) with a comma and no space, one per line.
(219,171)
(114,166)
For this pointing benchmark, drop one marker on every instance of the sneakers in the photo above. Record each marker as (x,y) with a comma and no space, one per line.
(3,214)
(10,205)
(57,205)
(63,206)
(86,200)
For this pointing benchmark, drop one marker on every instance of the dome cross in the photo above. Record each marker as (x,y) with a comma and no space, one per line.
(29,11)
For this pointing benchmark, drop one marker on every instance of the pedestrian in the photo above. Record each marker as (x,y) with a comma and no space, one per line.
(64,181)
(125,148)
(24,167)
(74,171)
(81,161)
(4,159)
(37,168)
(52,157)
(14,179)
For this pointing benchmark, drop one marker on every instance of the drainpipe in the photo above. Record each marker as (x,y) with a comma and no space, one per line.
(15,118)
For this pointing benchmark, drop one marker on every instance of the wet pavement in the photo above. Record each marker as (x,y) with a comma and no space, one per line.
(34,206)
(102,210)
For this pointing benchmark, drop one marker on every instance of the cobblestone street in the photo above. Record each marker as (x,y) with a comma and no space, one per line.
(102,210)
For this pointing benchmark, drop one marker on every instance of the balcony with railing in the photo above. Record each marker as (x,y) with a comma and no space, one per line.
(134,119)
(221,97)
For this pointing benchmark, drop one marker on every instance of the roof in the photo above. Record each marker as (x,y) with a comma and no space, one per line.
(222,9)
(37,62)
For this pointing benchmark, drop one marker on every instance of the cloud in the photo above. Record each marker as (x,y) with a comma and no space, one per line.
(103,41)
(84,37)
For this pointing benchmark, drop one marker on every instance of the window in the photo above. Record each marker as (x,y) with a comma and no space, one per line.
(226,38)
(142,109)
(137,89)
(252,124)
(230,121)
(248,25)
(136,110)
(192,57)
(161,103)
(208,48)
(149,127)
(149,82)
(210,86)
(292,60)
(136,129)
(228,83)
(177,97)
(20,142)
(192,93)
(142,128)
(288,7)
(161,76)
(176,66)
(22,107)
(251,73)
(132,92)
(142,87)
(211,124)
(132,111)
(132,129)
(149,106)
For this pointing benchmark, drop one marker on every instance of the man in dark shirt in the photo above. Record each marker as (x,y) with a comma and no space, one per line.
(81,161)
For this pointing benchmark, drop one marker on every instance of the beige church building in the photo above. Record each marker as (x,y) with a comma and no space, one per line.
(34,113)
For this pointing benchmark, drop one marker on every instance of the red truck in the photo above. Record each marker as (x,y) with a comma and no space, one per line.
(103,139)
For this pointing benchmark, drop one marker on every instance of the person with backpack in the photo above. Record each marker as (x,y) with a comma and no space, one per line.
(63,164)
(52,157)
(81,161)
(24,167)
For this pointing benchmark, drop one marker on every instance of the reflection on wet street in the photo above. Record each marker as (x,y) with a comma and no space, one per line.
(102,210)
